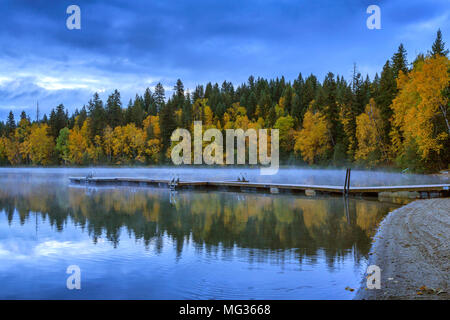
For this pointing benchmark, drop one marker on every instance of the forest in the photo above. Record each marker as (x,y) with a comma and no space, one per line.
(398,119)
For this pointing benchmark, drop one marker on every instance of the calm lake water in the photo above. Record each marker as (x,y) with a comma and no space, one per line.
(144,243)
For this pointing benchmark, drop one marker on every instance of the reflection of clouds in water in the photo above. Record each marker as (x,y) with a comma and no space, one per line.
(19,250)
(68,248)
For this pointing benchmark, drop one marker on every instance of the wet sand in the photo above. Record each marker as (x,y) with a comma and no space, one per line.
(412,248)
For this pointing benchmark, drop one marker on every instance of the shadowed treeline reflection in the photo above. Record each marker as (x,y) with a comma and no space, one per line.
(246,220)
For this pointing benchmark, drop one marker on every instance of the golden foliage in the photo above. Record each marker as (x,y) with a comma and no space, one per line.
(77,146)
(419,106)
(369,128)
(39,146)
(313,139)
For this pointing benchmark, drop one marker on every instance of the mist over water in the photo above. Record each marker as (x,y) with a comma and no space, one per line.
(334,177)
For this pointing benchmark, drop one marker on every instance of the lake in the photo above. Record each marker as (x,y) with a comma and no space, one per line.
(150,243)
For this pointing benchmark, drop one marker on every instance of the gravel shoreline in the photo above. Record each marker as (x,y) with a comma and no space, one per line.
(412,248)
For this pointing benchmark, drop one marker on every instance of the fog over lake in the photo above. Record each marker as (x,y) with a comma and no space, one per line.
(284,175)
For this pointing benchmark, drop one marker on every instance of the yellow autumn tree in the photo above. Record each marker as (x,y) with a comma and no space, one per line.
(95,149)
(285,125)
(40,145)
(129,143)
(227,121)
(198,108)
(13,151)
(20,136)
(78,143)
(108,135)
(313,139)
(369,129)
(154,144)
(280,109)
(76,146)
(3,153)
(420,110)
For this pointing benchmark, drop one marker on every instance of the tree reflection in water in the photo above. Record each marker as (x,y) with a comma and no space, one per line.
(275,224)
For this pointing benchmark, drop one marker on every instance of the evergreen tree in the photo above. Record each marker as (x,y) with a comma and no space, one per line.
(149,103)
(178,94)
(298,106)
(287,96)
(386,93)
(187,111)
(114,110)
(10,123)
(329,106)
(97,114)
(265,104)
(399,61)
(251,104)
(167,124)
(3,131)
(136,113)
(58,120)
(438,47)
(310,90)
(128,112)
(198,93)
(82,116)
(23,115)
(159,96)
(359,93)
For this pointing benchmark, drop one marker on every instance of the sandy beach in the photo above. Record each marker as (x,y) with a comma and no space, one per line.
(412,248)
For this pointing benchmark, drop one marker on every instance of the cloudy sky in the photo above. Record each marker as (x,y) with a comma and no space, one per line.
(131,45)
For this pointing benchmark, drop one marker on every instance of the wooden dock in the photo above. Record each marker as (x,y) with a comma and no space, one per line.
(420,191)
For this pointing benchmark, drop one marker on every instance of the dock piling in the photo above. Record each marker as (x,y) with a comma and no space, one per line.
(347,182)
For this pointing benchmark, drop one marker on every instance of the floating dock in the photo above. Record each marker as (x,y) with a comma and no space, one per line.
(411,191)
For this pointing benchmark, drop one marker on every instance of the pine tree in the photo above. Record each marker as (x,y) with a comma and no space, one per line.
(198,93)
(384,97)
(23,115)
(149,103)
(329,106)
(265,106)
(10,123)
(178,94)
(159,96)
(438,47)
(310,91)
(187,111)
(167,124)
(361,92)
(298,108)
(58,120)
(399,61)
(113,110)
(82,116)
(128,112)
(251,104)
(136,112)
(97,114)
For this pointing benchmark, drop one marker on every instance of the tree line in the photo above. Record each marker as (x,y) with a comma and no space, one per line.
(400,118)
